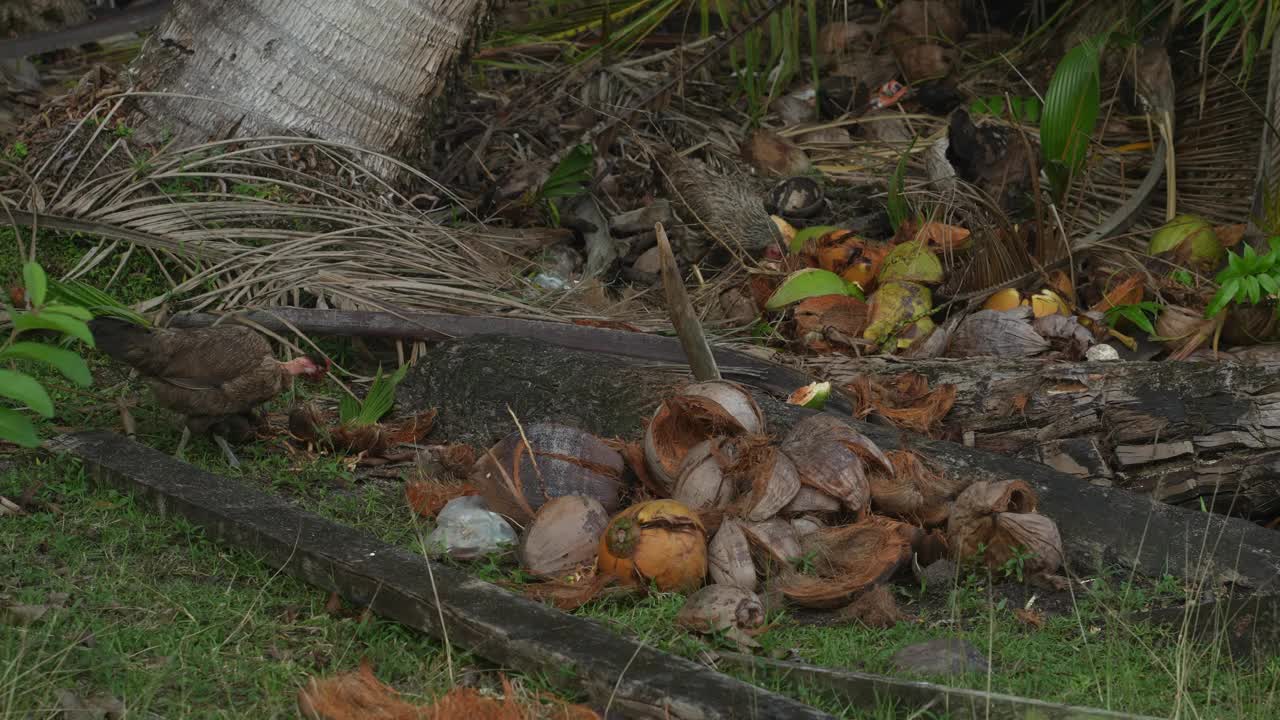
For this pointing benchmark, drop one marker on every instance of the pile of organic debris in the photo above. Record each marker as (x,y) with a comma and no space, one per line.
(821,518)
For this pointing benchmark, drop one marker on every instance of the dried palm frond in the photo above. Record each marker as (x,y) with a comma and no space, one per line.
(241,226)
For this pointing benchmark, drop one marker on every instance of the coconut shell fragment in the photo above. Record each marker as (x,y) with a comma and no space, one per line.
(564,536)
(848,560)
(775,539)
(831,456)
(999,520)
(702,483)
(660,542)
(767,481)
(700,412)
(996,333)
(516,478)
(723,608)
(729,557)
(917,492)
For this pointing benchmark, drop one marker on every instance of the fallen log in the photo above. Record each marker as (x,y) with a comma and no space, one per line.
(558,372)
(1188,433)
(576,653)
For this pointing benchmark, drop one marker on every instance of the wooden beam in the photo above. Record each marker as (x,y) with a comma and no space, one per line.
(915,696)
(578,653)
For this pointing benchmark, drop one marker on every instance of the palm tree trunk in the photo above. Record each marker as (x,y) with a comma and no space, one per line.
(364,72)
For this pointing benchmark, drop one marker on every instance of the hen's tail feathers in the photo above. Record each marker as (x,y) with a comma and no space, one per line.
(123,341)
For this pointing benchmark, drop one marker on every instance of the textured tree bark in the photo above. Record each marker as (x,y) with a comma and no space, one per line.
(362,72)
(1185,432)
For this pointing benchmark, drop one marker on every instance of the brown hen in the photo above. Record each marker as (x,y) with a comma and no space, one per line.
(215,377)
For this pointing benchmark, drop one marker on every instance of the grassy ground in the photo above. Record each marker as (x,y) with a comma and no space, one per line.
(148,610)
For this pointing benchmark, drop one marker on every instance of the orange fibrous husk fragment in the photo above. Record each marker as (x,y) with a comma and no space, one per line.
(999,519)
(633,455)
(848,560)
(458,459)
(569,595)
(427,497)
(906,401)
(360,695)
(766,478)
(916,491)
(1127,291)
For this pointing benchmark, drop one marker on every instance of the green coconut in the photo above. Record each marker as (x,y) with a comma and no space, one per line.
(911,262)
(1189,240)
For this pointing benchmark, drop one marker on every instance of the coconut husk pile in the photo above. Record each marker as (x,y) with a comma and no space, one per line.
(819,518)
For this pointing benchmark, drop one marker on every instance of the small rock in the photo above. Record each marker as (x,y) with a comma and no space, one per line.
(945,656)
(1101,353)
(466,529)
(939,575)
(648,262)
(101,707)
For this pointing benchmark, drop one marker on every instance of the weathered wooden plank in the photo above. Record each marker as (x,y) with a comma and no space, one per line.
(914,696)
(576,652)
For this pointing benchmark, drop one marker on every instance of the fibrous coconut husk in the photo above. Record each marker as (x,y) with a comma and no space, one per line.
(1000,519)
(427,497)
(831,456)
(848,560)
(905,402)
(996,333)
(775,539)
(766,478)
(874,608)
(917,492)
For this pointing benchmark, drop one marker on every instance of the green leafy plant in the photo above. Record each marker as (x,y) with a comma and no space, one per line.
(1256,21)
(1136,313)
(1023,109)
(1071,107)
(75,292)
(376,403)
(66,320)
(1247,277)
(569,179)
(1183,277)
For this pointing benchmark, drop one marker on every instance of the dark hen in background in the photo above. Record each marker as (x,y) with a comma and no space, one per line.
(992,158)
(215,377)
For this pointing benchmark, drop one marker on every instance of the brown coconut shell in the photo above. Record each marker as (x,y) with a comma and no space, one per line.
(518,478)
(702,482)
(999,519)
(918,492)
(766,478)
(700,412)
(729,557)
(564,536)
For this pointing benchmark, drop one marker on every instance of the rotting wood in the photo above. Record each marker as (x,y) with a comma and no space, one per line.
(1098,524)
(866,689)
(1186,432)
(634,679)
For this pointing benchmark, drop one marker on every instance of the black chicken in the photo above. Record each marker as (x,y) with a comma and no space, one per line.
(992,158)
(215,377)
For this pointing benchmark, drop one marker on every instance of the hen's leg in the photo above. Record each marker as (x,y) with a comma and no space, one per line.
(232,460)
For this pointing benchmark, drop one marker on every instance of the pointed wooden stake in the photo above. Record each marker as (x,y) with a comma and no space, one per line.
(683,317)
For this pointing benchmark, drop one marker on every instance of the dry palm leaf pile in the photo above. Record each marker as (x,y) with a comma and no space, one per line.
(711,505)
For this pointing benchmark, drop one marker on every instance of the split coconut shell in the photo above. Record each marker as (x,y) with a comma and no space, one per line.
(999,519)
(564,536)
(516,478)
(700,412)
(848,560)
(723,608)
(730,557)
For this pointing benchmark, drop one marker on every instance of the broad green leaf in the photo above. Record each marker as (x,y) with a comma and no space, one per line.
(36,283)
(1183,277)
(1225,294)
(807,234)
(17,429)
(66,362)
(348,408)
(24,388)
(381,396)
(74,311)
(1268,283)
(1070,111)
(87,296)
(1139,318)
(53,321)
(807,283)
(1253,289)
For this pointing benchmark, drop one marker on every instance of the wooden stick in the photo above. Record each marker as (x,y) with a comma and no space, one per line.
(683,317)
